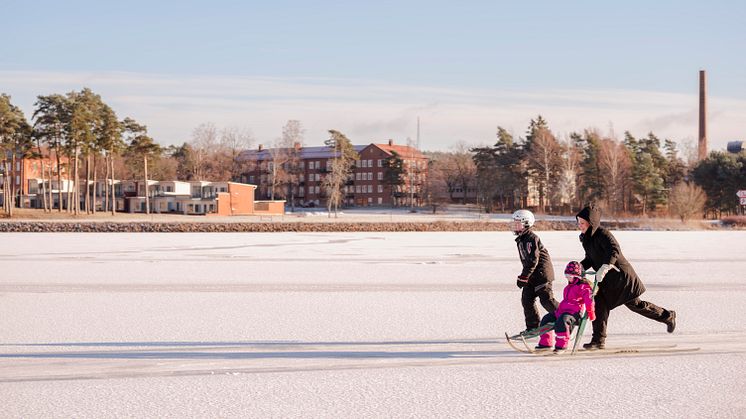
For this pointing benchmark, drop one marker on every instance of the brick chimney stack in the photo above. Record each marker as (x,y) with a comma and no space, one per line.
(702,149)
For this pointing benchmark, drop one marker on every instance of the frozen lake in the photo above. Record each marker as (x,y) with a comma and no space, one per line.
(351,325)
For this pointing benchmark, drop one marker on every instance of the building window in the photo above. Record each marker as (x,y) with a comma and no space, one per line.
(370,163)
(251,179)
(370,200)
(317,190)
(380,175)
(380,164)
(380,189)
(370,188)
(380,201)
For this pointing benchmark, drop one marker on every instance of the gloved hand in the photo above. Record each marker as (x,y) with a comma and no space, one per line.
(522,281)
(603,270)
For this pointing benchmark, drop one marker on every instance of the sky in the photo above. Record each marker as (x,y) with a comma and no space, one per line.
(371,69)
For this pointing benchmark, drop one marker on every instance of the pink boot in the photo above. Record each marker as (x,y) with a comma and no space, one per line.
(562,339)
(546,340)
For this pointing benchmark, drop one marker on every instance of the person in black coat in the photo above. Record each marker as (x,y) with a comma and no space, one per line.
(618,284)
(536,277)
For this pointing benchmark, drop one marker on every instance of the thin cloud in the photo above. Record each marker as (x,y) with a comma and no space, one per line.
(171,106)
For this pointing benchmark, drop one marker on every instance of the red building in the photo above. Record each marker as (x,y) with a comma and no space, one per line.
(368,185)
(25,175)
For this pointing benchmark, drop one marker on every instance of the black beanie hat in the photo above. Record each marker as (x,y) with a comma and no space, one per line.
(585,214)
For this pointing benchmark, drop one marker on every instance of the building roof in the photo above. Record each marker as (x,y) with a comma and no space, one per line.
(324,152)
(404,151)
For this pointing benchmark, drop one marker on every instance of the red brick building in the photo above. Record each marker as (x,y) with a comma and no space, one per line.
(25,176)
(366,187)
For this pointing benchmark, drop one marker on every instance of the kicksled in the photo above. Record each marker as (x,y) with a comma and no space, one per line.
(519,341)
(522,338)
(536,332)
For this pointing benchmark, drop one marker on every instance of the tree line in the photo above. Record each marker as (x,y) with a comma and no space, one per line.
(77,136)
(628,176)
(87,141)
(82,136)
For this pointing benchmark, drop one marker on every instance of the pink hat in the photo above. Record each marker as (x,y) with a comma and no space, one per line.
(574,268)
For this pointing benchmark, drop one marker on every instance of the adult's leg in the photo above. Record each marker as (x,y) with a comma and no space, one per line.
(602,318)
(649,310)
(528,300)
(546,297)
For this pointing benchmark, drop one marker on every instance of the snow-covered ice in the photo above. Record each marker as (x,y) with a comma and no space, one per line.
(351,325)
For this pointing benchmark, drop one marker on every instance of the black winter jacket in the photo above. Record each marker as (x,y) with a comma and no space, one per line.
(537,265)
(601,248)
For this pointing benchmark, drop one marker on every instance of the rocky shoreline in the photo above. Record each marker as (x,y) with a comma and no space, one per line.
(316,227)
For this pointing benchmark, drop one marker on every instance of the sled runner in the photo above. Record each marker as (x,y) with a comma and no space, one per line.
(538,331)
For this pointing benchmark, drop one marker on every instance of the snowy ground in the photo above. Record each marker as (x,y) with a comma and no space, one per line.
(350,325)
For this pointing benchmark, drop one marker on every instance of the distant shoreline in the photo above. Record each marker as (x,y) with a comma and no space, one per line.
(330,225)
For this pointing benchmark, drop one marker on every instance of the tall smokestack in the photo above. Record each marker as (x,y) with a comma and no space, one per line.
(702,150)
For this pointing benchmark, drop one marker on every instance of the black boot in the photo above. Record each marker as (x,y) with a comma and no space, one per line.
(593,345)
(671,322)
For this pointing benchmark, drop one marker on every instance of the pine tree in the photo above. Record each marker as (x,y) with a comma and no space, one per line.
(393,176)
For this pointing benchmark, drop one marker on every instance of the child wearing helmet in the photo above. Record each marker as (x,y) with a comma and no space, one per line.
(577,299)
(535,279)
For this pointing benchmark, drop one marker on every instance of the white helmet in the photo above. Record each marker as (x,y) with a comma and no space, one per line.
(526,218)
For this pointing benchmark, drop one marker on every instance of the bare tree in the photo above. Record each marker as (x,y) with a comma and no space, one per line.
(436,190)
(233,141)
(613,162)
(543,160)
(566,187)
(276,167)
(292,138)
(686,200)
(204,142)
(463,168)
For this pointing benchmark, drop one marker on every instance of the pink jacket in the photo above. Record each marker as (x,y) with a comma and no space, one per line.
(577,297)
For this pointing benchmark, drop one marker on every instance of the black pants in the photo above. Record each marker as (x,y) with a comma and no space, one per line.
(528,299)
(565,323)
(640,307)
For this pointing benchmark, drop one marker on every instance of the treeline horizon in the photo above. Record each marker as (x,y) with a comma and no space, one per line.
(627,176)
(630,176)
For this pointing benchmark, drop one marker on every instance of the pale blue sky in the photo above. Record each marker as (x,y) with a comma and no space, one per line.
(371,68)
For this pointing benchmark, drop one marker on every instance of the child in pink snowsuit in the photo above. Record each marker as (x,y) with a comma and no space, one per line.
(577,298)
